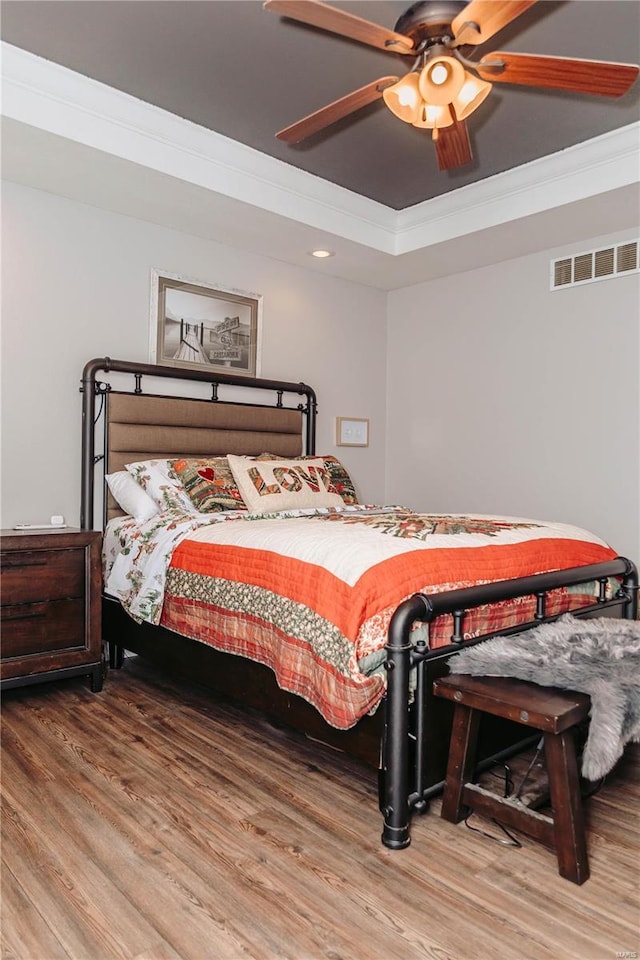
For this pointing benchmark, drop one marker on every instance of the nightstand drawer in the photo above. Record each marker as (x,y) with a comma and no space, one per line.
(35,628)
(50,583)
(35,575)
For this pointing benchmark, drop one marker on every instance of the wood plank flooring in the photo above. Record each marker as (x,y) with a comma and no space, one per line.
(151,822)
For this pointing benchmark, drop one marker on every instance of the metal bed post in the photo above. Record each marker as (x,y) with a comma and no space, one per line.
(395,833)
(87,388)
(630,588)
(86,494)
(311,411)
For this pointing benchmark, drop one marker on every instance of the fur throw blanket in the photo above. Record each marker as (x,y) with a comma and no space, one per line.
(600,657)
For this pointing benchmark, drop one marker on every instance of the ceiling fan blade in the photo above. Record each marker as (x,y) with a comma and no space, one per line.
(338,21)
(579,76)
(481,19)
(335,111)
(453,148)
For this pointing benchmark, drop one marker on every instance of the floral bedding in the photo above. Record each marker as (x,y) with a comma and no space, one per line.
(310,593)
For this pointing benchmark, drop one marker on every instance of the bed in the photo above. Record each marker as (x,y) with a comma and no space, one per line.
(318,611)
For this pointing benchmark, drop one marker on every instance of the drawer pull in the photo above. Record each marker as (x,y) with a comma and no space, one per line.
(24,612)
(22,560)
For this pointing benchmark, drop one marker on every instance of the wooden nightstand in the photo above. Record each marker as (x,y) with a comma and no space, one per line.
(50,606)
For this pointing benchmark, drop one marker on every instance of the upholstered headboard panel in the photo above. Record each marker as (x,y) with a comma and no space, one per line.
(142,427)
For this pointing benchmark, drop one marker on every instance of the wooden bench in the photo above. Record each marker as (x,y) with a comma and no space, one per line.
(555,713)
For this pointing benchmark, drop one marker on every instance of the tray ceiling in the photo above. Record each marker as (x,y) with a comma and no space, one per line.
(231,67)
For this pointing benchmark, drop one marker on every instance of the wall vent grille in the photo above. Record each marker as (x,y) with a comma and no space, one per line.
(595,265)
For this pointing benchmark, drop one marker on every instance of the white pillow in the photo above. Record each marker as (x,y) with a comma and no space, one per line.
(271,485)
(130,496)
(159,480)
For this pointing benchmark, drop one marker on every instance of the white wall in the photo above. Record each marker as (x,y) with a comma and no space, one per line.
(505,397)
(75,285)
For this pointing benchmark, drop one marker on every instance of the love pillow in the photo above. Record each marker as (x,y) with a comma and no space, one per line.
(209,484)
(271,485)
(341,482)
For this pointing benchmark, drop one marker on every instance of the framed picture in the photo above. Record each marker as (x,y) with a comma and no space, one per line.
(196,325)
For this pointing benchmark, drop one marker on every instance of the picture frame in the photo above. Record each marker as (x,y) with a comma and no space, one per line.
(352,432)
(198,325)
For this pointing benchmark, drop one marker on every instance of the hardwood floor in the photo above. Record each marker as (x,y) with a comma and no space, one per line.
(149,822)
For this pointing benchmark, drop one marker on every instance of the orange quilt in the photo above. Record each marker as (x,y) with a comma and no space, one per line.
(312,597)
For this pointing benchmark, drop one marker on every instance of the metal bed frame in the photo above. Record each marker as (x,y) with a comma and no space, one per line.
(407,780)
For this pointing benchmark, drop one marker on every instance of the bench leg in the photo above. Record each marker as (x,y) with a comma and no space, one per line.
(462,761)
(566,804)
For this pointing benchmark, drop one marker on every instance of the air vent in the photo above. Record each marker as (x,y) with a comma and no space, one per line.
(604,262)
(583,267)
(627,257)
(595,265)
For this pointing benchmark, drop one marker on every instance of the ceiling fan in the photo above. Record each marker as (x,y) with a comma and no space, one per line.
(443,87)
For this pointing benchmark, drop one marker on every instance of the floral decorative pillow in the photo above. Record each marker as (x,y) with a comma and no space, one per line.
(340,479)
(271,485)
(159,480)
(209,484)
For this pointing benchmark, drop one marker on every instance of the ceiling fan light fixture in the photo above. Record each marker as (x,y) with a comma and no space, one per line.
(441,80)
(403,98)
(433,116)
(472,93)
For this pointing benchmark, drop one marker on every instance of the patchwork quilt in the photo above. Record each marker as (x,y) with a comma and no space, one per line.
(310,593)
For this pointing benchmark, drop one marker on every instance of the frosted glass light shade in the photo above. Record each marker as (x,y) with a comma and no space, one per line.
(403,98)
(441,80)
(471,95)
(433,116)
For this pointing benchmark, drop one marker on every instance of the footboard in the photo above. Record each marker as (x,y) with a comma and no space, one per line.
(405,787)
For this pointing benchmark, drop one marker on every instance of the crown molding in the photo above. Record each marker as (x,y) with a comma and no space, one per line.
(53,98)
(586,170)
(47,96)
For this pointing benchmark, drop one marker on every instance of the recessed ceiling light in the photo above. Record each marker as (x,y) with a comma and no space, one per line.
(321,254)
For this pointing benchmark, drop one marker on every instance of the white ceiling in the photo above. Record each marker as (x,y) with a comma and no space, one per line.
(72,135)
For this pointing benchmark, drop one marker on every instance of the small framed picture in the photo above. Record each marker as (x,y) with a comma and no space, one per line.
(198,326)
(352,432)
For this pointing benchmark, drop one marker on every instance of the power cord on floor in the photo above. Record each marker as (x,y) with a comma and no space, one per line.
(511,841)
(527,772)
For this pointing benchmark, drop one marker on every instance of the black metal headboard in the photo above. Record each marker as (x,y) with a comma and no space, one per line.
(133,424)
